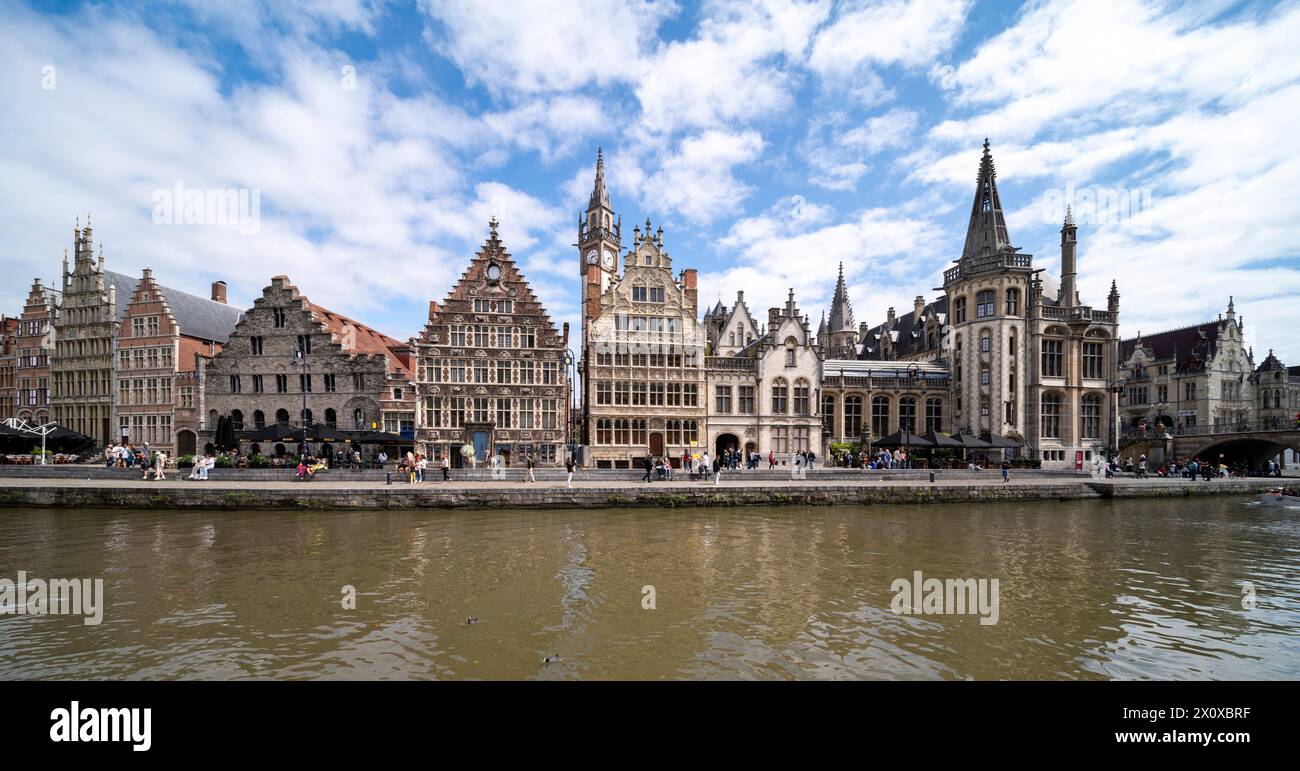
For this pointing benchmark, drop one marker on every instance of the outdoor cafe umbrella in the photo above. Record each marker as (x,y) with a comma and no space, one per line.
(1000,441)
(378,437)
(904,439)
(941,440)
(971,442)
(225,438)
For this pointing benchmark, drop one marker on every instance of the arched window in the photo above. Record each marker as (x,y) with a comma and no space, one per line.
(237,419)
(790,344)
(331,418)
(282,416)
(984,304)
(306,417)
(879,416)
(1013,302)
(780,396)
(212,420)
(907,414)
(1051,416)
(1090,416)
(259,419)
(852,417)
(934,414)
(639,436)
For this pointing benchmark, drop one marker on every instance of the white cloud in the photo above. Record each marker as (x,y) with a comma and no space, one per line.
(696,182)
(528,46)
(894,32)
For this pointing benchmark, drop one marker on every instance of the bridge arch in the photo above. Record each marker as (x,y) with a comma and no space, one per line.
(1254,451)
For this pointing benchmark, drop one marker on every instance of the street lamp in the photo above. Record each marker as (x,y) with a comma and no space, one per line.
(300,355)
(571,370)
(1117,394)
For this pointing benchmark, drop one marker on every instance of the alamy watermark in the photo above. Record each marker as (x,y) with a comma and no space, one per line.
(181,205)
(55,597)
(952,596)
(1128,208)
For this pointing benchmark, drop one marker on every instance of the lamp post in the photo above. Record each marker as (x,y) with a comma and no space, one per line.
(571,372)
(300,355)
(1116,390)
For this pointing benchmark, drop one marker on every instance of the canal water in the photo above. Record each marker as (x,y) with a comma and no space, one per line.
(1086,590)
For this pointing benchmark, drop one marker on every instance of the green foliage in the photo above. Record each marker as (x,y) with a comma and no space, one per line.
(185,461)
(39,451)
(258,460)
(223,461)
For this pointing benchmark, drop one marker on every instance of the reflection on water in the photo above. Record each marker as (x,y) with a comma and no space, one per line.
(1129,589)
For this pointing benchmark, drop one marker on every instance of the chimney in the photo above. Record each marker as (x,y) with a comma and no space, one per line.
(918,305)
(890,316)
(433,309)
(690,283)
(219,292)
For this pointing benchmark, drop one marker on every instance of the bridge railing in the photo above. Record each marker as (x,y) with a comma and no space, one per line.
(1261,426)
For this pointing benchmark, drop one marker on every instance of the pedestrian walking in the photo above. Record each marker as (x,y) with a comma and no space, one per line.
(1006,471)
(649,464)
(568,468)
(532,468)
(445,465)
(717,471)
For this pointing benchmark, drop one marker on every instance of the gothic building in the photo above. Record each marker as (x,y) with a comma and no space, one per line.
(1194,378)
(492,377)
(293,362)
(1022,363)
(643,384)
(1277,393)
(763,383)
(8,361)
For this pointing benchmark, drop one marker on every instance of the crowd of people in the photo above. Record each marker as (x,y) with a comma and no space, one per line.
(152,463)
(1186,468)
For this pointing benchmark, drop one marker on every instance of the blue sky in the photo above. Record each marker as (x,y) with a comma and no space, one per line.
(771,140)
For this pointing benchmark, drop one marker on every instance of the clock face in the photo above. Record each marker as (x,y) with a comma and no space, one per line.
(592,257)
(494,272)
(609,259)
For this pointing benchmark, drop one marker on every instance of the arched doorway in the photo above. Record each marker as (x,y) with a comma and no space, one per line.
(725,442)
(186,442)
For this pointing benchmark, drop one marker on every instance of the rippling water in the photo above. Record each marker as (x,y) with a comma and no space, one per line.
(1088,589)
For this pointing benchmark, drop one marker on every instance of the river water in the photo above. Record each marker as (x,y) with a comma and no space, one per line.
(1086,590)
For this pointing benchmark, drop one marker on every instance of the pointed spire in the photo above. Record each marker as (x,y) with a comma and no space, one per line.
(987,231)
(841,311)
(599,196)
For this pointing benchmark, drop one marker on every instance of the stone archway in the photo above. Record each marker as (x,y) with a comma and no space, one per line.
(725,442)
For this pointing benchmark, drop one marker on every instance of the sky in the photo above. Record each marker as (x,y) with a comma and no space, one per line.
(771,139)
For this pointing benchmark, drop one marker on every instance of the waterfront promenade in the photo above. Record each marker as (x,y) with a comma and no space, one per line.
(95,487)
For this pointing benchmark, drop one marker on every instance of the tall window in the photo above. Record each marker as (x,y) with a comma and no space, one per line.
(722,399)
(746,400)
(852,417)
(801,394)
(907,414)
(880,416)
(780,396)
(960,309)
(828,413)
(984,304)
(1052,358)
(1090,415)
(1092,360)
(1013,302)
(1051,416)
(933,414)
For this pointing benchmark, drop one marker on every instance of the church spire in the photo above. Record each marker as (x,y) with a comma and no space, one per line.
(841,311)
(987,231)
(599,196)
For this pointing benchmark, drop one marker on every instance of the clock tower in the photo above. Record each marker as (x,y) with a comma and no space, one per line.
(599,244)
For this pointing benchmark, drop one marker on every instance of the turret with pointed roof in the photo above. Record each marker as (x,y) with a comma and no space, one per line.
(987,231)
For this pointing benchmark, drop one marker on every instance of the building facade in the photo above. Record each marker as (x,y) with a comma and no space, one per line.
(292,362)
(763,384)
(1023,363)
(157,352)
(35,345)
(643,384)
(85,333)
(492,377)
(8,361)
(1193,379)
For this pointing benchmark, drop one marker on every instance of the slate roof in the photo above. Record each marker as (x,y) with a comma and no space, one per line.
(1191,345)
(198,316)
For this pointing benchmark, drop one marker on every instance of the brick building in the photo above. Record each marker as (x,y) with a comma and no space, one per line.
(156,357)
(34,341)
(8,361)
(347,376)
(492,372)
